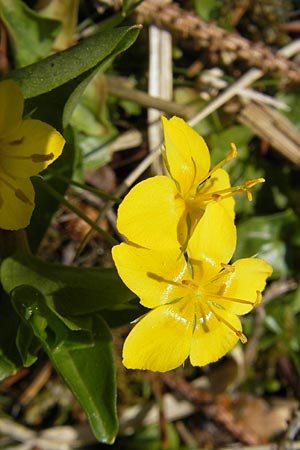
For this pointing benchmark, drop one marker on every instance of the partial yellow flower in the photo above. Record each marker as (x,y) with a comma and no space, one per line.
(27,147)
(192,185)
(195,300)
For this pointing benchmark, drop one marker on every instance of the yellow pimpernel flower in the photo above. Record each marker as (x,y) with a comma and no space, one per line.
(192,185)
(27,147)
(194,301)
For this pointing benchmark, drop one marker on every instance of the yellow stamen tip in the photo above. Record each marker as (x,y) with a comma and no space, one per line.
(251,183)
(249,196)
(258,298)
(233,152)
(241,337)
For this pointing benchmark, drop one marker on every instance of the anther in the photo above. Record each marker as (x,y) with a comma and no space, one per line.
(231,299)
(233,152)
(258,298)
(251,183)
(238,333)
(241,337)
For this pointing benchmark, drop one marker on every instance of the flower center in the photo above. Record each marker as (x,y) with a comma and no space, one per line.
(208,305)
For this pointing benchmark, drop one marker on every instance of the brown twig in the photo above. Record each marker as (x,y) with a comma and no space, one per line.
(37,384)
(212,407)
(189,27)
(274,128)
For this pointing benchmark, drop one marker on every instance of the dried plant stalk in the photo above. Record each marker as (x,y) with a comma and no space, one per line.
(274,128)
(187,25)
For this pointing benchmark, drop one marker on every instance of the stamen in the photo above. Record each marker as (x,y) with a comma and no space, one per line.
(234,190)
(190,284)
(161,279)
(258,298)
(232,299)
(232,154)
(238,333)
(251,183)
(226,268)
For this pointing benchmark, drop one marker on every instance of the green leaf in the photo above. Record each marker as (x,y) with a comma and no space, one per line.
(27,345)
(84,359)
(69,291)
(274,238)
(55,84)
(58,69)
(291,98)
(31,35)
(207,10)
(10,359)
(123,313)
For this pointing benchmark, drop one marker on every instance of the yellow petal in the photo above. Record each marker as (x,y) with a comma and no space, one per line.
(214,339)
(213,241)
(248,277)
(154,276)
(182,222)
(16,202)
(187,154)
(147,215)
(31,149)
(11,101)
(161,340)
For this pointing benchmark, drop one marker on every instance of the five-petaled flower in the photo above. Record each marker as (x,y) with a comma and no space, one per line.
(192,185)
(27,147)
(195,297)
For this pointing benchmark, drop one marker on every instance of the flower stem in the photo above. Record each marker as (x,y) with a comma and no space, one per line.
(47,187)
(97,192)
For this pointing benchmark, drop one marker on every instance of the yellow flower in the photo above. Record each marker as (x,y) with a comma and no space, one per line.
(185,194)
(26,148)
(195,300)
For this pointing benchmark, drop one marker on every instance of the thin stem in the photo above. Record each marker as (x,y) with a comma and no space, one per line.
(97,192)
(47,187)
